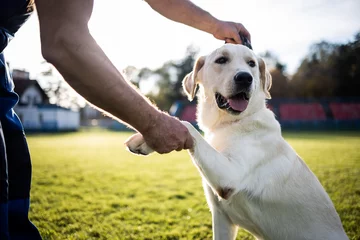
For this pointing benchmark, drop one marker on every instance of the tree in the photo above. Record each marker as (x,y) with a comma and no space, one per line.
(312,78)
(58,91)
(347,68)
(131,73)
(167,87)
(329,70)
(280,86)
(183,67)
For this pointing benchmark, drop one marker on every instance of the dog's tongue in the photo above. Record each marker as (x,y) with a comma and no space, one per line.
(238,103)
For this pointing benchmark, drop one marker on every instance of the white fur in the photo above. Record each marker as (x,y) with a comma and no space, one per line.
(252,177)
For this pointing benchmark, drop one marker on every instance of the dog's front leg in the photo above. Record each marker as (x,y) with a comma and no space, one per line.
(223,228)
(221,173)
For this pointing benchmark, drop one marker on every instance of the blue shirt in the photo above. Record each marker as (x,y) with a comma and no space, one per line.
(13,14)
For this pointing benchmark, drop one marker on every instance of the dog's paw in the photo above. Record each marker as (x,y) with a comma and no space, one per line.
(137,145)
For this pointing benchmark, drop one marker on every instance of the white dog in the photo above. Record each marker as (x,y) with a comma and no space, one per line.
(252,177)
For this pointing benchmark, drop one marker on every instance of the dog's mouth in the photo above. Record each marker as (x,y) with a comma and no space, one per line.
(235,104)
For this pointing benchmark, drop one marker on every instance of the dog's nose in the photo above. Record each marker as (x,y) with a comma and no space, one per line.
(243,78)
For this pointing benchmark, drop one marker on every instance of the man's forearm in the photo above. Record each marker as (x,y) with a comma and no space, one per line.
(88,70)
(67,43)
(184,11)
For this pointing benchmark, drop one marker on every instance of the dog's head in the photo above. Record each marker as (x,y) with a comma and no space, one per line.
(232,77)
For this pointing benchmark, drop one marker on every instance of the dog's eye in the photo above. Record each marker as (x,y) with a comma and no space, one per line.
(251,63)
(221,60)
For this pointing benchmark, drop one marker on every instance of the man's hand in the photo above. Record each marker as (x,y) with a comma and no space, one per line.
(168,134)
(229,32)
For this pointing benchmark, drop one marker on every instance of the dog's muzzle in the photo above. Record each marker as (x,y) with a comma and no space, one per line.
(234,104)
(238,101)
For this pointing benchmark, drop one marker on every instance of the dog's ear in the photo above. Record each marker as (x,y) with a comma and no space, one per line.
(265,77)
(190,80)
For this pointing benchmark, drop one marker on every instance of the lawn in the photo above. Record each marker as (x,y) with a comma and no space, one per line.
(87,186)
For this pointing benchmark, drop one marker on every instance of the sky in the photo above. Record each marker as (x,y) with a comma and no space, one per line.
(131,33)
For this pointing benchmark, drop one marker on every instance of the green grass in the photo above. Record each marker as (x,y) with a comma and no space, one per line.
(86,186)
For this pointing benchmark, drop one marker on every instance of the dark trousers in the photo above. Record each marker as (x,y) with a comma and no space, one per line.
(15,164)
(15,179)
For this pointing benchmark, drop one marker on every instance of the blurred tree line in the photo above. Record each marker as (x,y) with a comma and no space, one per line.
(58,91)
(167,79)
(328,70)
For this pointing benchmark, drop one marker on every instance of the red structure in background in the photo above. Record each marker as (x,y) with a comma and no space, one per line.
(299,113)
(189,113)
(302,111)
(345,111)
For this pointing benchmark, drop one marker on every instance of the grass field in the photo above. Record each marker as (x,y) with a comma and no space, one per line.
(86,186)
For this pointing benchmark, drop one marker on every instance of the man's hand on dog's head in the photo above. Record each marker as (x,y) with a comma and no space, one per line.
(229,32)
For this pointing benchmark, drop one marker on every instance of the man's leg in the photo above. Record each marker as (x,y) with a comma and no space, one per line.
(19,175)
(4,228)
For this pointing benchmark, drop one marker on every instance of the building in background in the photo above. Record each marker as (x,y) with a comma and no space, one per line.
(35,111)
(91,117)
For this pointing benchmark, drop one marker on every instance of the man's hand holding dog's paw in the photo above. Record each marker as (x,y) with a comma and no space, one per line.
(166,135)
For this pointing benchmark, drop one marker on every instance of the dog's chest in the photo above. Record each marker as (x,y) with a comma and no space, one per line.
(239,210)
(223,140)
(236,145)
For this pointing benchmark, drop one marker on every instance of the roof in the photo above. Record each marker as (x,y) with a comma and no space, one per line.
(22,84)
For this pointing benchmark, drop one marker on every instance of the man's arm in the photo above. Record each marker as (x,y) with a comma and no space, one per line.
(184,11)
(68,45)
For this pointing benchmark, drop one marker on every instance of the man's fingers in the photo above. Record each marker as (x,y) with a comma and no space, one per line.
(175,136)
(237,39)
(230,40)
(189,144)
(245,33)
